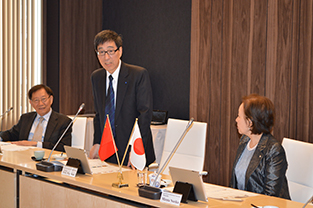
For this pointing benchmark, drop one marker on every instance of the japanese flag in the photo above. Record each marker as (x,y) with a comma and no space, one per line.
(137,156)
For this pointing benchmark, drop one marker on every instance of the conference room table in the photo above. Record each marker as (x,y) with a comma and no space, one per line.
(22,185)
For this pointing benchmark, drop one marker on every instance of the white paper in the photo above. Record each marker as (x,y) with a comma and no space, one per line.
(4,143)
(99,167)
(13,147)
(171,198)
(225,193)
(69,171)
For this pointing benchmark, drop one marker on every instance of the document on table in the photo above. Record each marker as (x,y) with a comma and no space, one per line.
(4,143)
(97,166)
(225,193)
(6,146)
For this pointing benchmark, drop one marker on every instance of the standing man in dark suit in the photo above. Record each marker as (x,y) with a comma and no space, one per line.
(42,128)
(132,97)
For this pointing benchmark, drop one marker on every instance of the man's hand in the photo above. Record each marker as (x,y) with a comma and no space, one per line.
(94,151)
(129,164)
(25,143)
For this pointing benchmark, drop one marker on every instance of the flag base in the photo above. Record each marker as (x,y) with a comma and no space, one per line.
(119,185)
(120,177)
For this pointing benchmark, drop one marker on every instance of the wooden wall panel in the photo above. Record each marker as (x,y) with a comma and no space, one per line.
(305,71)
(244,47)
(226,121)
(257,47)
(80,21)
(294,72)
(282,68)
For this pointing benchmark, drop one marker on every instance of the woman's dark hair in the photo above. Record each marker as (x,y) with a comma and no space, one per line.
(107,35)
(38,87)
(260,110)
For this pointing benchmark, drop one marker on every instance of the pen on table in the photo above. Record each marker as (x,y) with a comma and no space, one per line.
(253,205)
(231,199)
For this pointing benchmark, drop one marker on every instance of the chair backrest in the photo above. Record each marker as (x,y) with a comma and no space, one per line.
(79,132)
(190,152)
(300,169)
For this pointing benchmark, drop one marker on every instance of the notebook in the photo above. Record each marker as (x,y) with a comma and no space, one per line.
(192,177)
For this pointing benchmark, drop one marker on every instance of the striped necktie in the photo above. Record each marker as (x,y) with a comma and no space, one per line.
(109,105)
(38,132)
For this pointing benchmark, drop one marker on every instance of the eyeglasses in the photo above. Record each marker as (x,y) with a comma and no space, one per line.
(110,52)
(43,100)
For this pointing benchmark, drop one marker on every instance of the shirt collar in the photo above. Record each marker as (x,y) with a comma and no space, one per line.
(116,72)
(46,116)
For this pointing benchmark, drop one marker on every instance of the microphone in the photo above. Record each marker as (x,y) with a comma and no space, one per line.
(3,115)
(309,201)
(153,192)
(6,112)
(48,166)
(174,149)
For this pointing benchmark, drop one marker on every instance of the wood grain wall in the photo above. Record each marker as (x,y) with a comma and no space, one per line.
(239,47)
(80,21)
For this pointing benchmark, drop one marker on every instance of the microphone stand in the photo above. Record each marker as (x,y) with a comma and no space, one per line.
(310,200)
(48,166)
(154,192)
(3,115)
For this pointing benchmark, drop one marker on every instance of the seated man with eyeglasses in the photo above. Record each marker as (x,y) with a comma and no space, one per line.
(42,128)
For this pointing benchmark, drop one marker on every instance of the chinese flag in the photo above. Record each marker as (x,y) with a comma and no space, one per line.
(107,145)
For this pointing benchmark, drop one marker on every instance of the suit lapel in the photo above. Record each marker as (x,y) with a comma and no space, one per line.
(256,158)
(53,120)
(121,89)
(29,125)
(242,146)
(104,91)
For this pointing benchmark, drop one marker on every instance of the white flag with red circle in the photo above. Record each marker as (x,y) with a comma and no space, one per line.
(137,156)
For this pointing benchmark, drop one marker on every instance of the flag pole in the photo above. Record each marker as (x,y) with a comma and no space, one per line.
(129,141)
(118,160)
(120,177)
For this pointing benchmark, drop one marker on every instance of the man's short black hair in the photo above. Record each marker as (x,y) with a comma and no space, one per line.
(107,35)
(38,87)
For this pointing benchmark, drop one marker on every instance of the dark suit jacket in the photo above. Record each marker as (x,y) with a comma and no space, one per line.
(55,127)
(133,100)
(266,173)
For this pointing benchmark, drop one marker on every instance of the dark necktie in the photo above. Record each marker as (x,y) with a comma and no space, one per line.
(109,105)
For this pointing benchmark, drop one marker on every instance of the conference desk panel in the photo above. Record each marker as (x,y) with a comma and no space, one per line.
(41,193)
(88,190)
(7,188)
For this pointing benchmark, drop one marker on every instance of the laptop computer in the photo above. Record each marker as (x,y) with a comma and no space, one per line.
(79,154)
(191,177)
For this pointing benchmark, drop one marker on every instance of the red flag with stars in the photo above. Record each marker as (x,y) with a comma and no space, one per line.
(107,145)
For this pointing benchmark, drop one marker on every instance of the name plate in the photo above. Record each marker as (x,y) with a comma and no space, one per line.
(171,198)
(69,171)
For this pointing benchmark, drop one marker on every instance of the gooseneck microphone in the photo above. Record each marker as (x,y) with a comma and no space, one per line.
(175,148)
(56,144)
(152,192)
(5,114)
(48,166)
(309,201)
